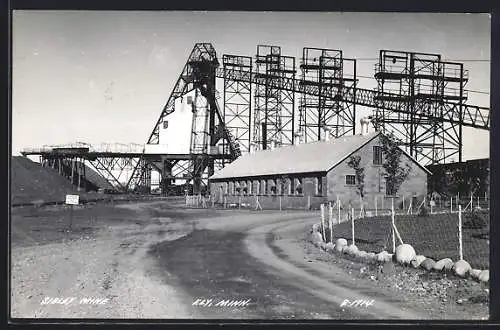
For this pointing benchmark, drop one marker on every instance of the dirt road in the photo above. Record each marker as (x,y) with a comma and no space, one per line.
(153,260)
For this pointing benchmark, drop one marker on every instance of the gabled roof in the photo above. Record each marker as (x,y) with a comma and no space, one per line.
(312,157)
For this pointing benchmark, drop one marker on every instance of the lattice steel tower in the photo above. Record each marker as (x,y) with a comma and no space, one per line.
(274,100)
(330,73)
(431,92)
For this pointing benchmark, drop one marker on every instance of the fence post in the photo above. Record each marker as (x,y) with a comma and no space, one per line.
(352,225)
(257,204)
(460,232)
(478,201)
(280,203)
(308,202)
(330,221)
(393,226)
(338,206)
(403,202)
(376,213)
(239,203)
(322,207)
(451,204)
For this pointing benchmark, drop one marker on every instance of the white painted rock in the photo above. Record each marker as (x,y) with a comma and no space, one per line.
(461,268)
(371,256)
(316,228)
(474,273)
(338,248)
(352,250)
(439,266)
(341,242)
(417,261)
(330,247)
(316,238)
(384,256)
(362,255)
(405,253)
(484,276)
(428,264)
(448,267)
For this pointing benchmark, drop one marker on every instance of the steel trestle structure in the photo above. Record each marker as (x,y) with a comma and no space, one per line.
(419,97)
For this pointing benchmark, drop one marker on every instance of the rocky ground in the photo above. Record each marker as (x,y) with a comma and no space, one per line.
(442,295)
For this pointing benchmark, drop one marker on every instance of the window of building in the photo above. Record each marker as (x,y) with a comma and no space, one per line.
(272,187)
(257,187)
(319,185)
(377,155)
(237,188)
(282,186)
(231,188)
(350,180)
(249,187)
(243,187)
(226,188)
(388,191)
(298,186)
(289,190)
(263,188)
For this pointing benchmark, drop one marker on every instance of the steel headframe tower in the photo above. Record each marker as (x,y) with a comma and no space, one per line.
(274,113)
(428,89)
(208,128)
(330,73)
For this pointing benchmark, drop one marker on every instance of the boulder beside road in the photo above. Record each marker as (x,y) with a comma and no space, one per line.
(405,253)
(441,264)
(316,238)
(461,268)
(417,261)
(428,264)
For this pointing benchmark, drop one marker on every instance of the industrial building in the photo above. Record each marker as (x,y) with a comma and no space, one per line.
(238,102)
(305,175)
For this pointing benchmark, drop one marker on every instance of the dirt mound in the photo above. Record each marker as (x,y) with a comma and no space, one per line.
(32,183)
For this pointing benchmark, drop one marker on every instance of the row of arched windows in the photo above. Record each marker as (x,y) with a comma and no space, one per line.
(275,186)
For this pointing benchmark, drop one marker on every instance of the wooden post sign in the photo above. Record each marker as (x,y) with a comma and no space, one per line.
(72,200)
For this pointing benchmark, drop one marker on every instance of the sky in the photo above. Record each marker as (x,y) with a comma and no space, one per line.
(98,76)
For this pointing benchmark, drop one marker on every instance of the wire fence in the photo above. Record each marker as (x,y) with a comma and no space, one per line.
(457,230)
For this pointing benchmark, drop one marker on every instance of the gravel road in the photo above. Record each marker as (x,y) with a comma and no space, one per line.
(157,260)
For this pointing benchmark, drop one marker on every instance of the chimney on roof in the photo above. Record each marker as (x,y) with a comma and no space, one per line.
(365,121)
(299,137)
(327,133)
(273,144)
(251,147)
